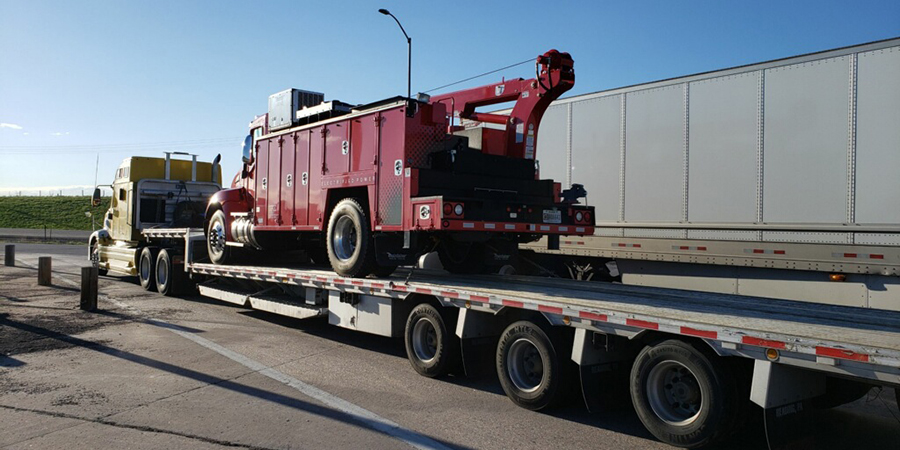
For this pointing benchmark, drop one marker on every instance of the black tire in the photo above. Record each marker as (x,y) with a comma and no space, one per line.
(351,248)
(431,345)
(219,253)
(170,277)
(461,257)
(94,256)
(684,397)
(147,268)
(528,366)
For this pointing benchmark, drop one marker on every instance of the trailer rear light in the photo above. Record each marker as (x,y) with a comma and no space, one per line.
(448,209)
(579,216)
(458,209)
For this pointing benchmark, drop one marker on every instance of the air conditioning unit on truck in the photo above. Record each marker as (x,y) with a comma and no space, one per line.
(371,187)
(150,193)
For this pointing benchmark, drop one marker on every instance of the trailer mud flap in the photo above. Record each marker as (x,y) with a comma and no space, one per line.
(785,394)
(478,334)
(394,250)
(790,426)
(478,355)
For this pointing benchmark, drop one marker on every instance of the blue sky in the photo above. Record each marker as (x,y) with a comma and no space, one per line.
(78,78)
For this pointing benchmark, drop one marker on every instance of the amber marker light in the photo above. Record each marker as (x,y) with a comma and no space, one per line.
(837,277)
(772,354)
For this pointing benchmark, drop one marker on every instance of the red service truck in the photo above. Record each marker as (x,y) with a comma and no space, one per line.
(371,187)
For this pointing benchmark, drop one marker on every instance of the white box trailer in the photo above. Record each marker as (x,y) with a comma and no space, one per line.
(765,180)
(694,361)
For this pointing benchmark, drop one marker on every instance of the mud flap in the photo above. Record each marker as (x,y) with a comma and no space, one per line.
(603,363)
(478,334)
(391,250)
(785,393)
(478,355)
(790,426)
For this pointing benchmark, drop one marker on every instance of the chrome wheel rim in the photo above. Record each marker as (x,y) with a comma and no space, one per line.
(674,394)
(525,365)
(424,340)
(344,238)
(95,254)
(216,238)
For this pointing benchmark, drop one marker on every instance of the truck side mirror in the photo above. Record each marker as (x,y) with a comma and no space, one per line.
(95,199)
(248,143)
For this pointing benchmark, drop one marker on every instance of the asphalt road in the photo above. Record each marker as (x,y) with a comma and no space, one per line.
(154,372)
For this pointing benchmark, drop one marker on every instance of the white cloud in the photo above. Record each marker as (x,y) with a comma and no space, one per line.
(10,125)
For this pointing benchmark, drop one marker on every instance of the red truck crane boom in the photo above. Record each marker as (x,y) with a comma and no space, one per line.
(554,75)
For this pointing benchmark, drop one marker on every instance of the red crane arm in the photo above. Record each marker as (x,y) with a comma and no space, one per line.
(554,76)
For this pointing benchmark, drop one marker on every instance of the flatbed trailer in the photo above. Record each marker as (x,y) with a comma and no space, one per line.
(723,351)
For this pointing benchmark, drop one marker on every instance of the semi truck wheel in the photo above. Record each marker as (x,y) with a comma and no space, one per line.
(169,276)
(95,256)
(528,366)
(682,396)
(351,248)
(430,343)
(146,269)
(219,253)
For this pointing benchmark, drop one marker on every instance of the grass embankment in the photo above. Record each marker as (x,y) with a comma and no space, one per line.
(58,213)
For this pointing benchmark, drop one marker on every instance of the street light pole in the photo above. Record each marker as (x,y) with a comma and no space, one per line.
(408,54)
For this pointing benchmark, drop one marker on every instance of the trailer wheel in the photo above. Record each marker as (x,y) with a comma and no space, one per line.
(169,276)
(430,344)
(95,256)
(528,366)
(146,269)
(219,253)
(351,248)
(683,397)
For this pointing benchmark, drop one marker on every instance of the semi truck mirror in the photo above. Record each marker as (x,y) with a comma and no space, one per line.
(248,143)
(95,199)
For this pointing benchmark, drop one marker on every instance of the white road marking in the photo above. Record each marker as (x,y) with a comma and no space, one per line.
(368,418)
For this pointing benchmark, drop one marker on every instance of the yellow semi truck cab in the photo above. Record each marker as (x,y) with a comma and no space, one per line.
(148,193)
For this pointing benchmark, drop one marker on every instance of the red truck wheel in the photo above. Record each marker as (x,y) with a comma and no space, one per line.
(351,248)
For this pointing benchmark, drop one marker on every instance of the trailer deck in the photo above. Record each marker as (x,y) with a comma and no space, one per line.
(850,340)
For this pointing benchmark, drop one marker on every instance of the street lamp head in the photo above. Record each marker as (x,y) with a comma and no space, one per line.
(384,11)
